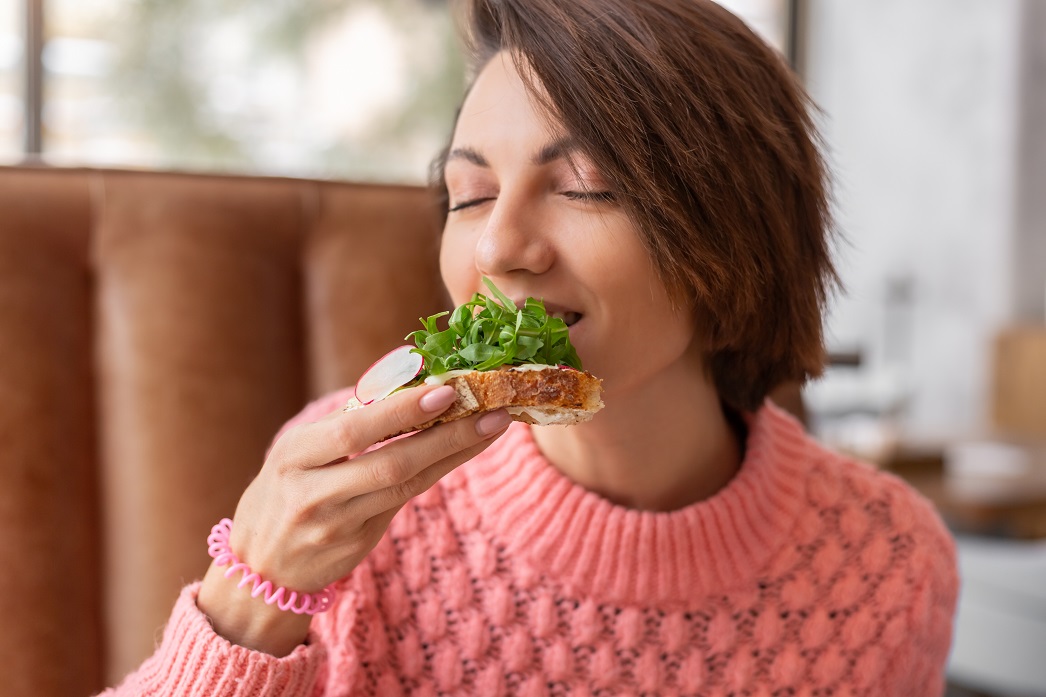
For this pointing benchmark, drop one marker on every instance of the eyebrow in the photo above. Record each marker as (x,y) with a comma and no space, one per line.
(561,147)
(467,154)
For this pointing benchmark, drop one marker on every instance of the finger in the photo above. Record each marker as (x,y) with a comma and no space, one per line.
(377,503)
(402,412)
(347,433)
(376,526)
(402,460)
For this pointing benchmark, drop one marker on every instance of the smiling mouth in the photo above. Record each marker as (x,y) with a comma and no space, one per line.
(569,318)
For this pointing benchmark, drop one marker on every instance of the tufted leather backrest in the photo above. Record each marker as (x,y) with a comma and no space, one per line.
(155,331)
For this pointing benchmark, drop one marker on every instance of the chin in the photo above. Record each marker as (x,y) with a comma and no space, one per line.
(594,355)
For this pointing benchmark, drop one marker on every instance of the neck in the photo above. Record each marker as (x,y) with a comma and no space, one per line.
(660,446)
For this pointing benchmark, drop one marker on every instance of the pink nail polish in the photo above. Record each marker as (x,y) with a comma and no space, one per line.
(439,399)
(493,422)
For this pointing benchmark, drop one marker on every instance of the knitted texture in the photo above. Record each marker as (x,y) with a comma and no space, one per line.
(808,574)
(193,661)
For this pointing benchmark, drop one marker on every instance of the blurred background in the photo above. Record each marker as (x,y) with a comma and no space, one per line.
(934,121)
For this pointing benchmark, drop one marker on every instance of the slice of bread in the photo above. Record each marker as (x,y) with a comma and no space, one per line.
(547,395)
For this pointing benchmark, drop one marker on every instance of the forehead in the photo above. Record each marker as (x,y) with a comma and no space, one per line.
(500,109)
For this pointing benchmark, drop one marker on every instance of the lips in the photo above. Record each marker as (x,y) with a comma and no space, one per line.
(570,318)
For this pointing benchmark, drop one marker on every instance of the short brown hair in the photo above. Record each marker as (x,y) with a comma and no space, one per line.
(707,137)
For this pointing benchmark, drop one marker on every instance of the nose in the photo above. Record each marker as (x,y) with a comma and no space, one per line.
(513,239)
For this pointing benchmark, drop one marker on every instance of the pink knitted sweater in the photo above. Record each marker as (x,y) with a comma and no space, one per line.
(808,574)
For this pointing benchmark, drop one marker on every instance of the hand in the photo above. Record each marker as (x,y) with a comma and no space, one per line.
(312,514)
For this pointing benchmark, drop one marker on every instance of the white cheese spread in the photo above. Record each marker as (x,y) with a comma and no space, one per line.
(442,378)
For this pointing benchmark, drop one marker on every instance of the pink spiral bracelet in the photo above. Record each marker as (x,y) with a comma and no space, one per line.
(298,603)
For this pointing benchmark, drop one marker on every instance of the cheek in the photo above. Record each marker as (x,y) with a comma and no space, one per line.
(644,300)
(615,243)
(457,267)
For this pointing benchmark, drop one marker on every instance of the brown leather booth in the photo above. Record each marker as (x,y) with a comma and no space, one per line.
(155,331)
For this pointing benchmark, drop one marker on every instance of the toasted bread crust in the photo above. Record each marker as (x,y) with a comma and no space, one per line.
(575,393)
(553,387)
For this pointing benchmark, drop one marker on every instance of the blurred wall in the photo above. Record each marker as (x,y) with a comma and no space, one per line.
(923,118)
(1030,271)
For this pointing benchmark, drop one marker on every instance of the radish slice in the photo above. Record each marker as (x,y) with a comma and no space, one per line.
(393,370)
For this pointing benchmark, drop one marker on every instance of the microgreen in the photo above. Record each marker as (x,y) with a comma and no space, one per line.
(490,332)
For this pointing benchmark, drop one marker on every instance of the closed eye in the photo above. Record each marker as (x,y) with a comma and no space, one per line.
(596,196)
(469,204)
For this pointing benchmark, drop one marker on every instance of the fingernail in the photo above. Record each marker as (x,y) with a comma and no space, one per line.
(439,399)
(493,422)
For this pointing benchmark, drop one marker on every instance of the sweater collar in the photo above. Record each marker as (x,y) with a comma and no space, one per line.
(616,554)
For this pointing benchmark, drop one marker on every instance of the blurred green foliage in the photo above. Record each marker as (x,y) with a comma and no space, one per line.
(165,78)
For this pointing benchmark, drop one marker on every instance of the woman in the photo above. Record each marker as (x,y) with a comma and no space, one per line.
(650,170)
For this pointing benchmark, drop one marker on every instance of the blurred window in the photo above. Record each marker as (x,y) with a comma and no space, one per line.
(768,18)
(12,107)
(346,89)
(357,89)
